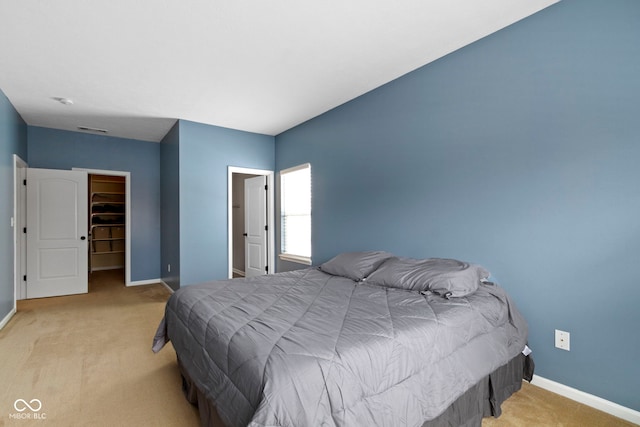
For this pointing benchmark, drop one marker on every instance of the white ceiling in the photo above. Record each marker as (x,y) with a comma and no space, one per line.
(133,67)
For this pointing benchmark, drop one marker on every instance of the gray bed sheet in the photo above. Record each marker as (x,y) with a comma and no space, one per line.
(305,348)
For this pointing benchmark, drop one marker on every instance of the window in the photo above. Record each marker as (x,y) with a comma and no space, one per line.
(295,214)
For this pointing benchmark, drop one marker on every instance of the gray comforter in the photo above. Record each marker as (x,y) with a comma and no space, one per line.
(305,348)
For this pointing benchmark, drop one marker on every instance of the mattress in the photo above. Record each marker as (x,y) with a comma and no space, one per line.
(307,348)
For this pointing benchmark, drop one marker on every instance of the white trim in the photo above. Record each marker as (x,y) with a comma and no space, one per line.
(6,319)
(127,228)
(296,168)
(295,258)
(145,282)
(270,214)
(162,282)
(596,402)
(19,252)
(238,272)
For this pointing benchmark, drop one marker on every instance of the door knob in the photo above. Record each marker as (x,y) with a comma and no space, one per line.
(82,238)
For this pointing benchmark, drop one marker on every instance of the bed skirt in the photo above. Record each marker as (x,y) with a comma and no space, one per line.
(482,400)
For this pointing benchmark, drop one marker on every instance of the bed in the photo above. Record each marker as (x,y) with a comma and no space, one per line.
(366,338)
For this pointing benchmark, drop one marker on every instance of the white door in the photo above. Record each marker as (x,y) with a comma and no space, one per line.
(255,226)
(57,251)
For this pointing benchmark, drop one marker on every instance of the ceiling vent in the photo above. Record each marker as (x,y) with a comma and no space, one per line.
(89,129)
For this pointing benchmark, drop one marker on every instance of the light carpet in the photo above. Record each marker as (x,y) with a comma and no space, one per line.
(87,359)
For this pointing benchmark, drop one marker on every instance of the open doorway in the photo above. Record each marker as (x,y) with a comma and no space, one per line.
(250,214)
(20,220)
(109,227)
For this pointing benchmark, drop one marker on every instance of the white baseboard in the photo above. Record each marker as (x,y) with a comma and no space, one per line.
(7,318)
(596,402)
(151,282)
(167,286)
(145,282)
(238,272)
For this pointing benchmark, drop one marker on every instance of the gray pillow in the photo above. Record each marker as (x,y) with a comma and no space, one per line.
(446,277)
(355,265)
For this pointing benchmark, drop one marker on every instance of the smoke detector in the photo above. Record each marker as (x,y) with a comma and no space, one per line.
(65,101)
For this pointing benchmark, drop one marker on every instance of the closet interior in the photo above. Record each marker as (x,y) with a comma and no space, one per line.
(107,222)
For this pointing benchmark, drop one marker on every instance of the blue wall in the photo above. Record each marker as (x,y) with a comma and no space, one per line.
(205,154)
(520,152)
(170,207)
(13,140)
(58,149)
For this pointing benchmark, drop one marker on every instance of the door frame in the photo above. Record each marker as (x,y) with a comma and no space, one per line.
(270,214)
(18,223)
(127,205)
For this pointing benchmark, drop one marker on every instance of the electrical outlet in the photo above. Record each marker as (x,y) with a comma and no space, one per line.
(563,340)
